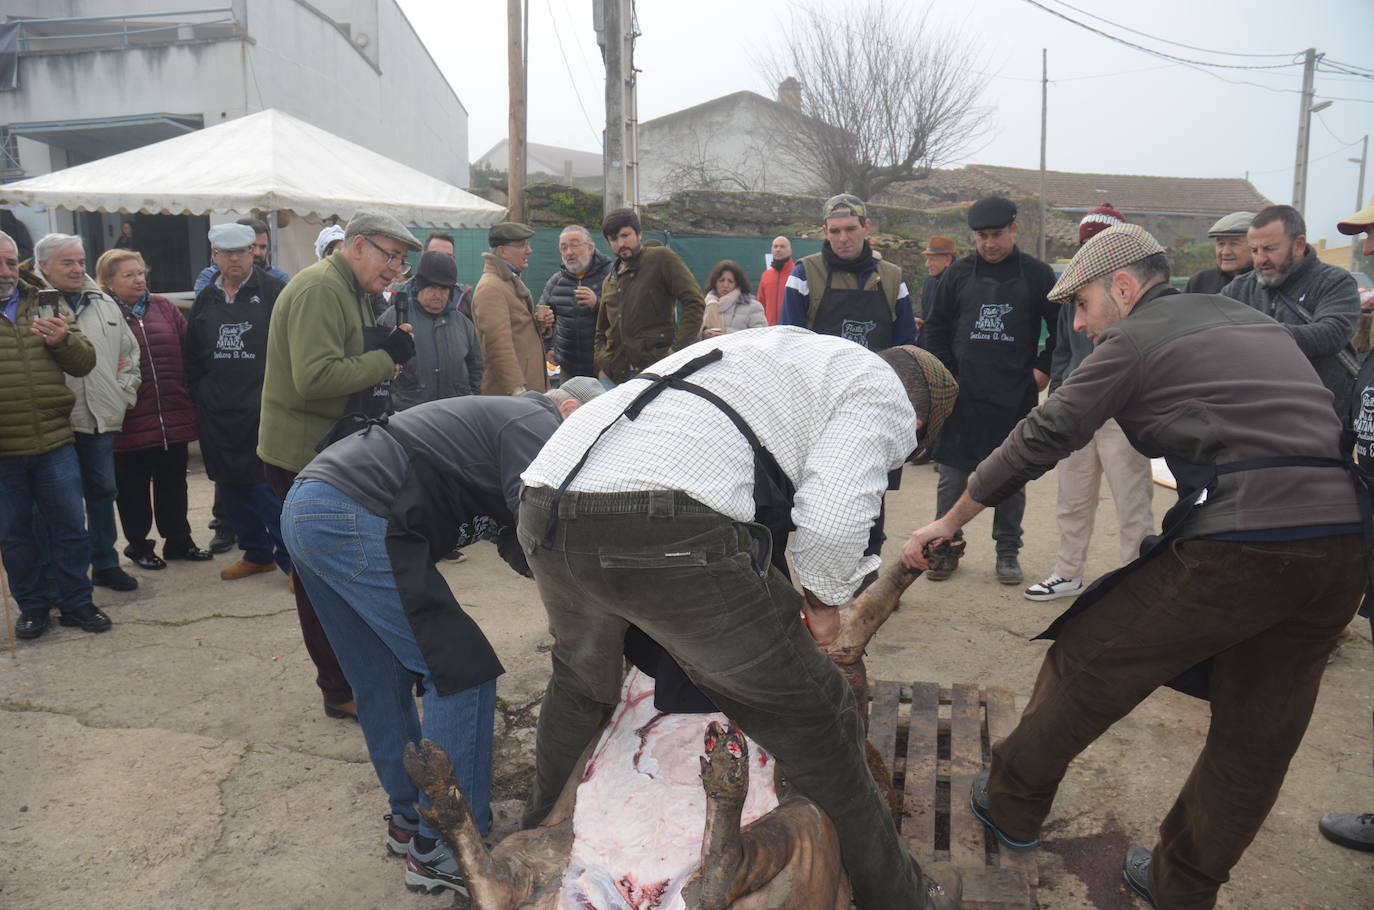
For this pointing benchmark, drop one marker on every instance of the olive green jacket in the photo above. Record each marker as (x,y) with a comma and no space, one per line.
(315,361)
(35,403)
(637,322)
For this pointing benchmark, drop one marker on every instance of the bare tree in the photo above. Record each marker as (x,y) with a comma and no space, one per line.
(884,96)
(696,164)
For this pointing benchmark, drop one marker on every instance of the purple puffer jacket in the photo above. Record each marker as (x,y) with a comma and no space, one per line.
(163,414)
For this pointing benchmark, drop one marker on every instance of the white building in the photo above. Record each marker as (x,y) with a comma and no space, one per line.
(111,75)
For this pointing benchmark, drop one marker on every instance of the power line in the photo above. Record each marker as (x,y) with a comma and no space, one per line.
(568,68)
(1152,51)
(1327,127)
(1165,40)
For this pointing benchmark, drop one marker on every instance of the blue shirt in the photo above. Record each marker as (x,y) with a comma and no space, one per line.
(12,307)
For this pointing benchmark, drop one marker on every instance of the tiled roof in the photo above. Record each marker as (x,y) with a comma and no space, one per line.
(1132,192)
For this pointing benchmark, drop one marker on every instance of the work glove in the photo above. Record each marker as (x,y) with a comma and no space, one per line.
(399,346)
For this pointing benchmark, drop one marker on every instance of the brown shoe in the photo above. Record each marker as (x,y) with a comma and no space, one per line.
(243,568)
(291,582)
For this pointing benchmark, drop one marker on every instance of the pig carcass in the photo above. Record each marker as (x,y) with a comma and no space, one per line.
(667,811)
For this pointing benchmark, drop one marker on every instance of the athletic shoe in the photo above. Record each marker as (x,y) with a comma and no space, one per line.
(1136,871)
(1009,569)
(1349,829)
(31,624)
(115,578)
(87,617)
(434,871)
(224,539)
(399,831)
(1054,587)
(978,803)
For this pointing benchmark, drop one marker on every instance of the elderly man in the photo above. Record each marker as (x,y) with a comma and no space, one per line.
(985,328)
(328,368)
(262,250)
(503,309)
(102,397)
(1232,254)
(448,358)
(769,429)
(772,287)
(370,516)
(226,353)
(1316,302)
(1241,597)
(647,294)
(939,254)
(39,343)
(845,289)
(574,295)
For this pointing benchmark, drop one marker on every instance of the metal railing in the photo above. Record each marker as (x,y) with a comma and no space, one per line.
(119,33)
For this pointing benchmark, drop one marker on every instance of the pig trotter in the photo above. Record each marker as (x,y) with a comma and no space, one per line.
(725,778)
(429,767)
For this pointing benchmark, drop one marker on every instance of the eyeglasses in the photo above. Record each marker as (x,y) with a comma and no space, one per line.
(392,259)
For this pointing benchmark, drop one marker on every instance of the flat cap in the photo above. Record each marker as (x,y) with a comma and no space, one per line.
(939,246)
(1359,222)
(844,201)
(1235,224)
(583,388)
(508,232)
(991,212)
(1114,248)
(231,237)
(369,222)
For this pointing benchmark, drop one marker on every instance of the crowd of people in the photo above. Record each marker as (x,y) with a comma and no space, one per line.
(362,422)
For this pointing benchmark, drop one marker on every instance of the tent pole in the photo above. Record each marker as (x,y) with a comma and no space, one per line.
(275,224)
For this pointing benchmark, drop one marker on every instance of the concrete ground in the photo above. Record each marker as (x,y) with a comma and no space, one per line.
(182,759)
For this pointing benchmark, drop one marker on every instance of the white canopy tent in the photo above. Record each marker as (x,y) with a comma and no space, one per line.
(268,161)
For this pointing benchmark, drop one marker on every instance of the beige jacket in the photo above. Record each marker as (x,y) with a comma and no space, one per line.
(106,392)
(503,309)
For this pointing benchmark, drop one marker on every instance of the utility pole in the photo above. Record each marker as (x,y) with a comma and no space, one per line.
(1041,246)
(1309,70)
(616,37)
(515,128)
(1359,201)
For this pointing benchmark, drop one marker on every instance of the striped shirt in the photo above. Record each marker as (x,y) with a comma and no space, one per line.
(834,416)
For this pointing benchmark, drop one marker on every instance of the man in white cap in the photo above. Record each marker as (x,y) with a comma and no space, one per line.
(1232,254)
(1241,596)
(327,358)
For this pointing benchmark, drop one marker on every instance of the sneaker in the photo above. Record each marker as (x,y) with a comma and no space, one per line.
(243,568)
(88,618)
(31,624)
(399,831)
(224,540)
(434,871)
(1009,569)
(116,579)
(1053,587)
(1136,871)
(1348,829)
(978,803)
(951,564)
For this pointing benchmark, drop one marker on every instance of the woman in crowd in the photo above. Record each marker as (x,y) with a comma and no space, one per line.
(151,449)
(729,305)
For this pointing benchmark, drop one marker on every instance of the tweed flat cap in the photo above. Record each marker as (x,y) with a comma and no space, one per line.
(583,388)
(508,232)
(929,386)
(1359,222)
(991,212)
(229,237)
(1235,224)
(1110,250)
(844,201)
(367,221)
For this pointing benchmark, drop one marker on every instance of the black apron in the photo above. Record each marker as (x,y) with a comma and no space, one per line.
(996,387)
(365,405)
(860,316)
(1193,481)
(231,340)
(773,493)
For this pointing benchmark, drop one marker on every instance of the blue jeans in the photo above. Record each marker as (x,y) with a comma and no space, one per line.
(341,558)
(95,453)
(254,513)
(51,483)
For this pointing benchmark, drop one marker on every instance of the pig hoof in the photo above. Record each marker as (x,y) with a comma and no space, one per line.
(432,771)
(725,766)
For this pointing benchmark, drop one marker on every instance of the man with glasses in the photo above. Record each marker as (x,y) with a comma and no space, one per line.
(325,358)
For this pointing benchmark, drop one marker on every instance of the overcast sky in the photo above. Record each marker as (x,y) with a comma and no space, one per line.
(1112,109)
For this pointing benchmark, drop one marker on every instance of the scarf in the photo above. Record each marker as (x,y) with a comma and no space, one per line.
(137,309)
(864,263)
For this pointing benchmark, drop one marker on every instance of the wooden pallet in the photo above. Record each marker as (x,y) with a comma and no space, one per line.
(935,740)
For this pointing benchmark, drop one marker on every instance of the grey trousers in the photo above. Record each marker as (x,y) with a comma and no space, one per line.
(1006,518)
(701,585)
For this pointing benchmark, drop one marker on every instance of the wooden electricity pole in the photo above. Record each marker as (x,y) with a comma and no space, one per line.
(1041,246)
(515,132)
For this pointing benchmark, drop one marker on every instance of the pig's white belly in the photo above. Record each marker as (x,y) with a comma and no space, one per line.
(641,809)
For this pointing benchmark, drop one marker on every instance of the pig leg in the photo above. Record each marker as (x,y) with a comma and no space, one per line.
(492,884)
(725,777)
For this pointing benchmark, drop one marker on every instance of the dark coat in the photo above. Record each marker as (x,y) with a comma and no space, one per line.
(574,325)
(1211,281)
(163,414)
(226,357)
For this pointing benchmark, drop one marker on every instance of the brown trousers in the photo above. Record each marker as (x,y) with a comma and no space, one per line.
(1267,614)
(329,676)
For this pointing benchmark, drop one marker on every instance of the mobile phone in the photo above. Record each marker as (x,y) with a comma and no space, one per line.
(47,303)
